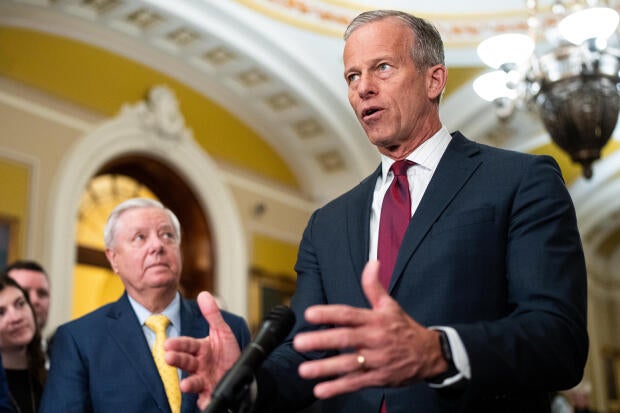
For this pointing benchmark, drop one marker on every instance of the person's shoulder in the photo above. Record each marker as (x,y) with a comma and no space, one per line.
(86,321)
(505,158)
(493,151)
(233,319)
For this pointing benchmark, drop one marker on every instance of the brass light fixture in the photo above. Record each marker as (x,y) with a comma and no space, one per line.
(570,77)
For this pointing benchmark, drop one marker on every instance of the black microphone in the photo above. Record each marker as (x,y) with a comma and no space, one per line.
(231,390)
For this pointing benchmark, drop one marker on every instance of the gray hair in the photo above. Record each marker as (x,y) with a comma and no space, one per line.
(110,226)
(427,48)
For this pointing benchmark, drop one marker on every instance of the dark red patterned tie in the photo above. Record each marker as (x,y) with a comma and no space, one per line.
(395,216)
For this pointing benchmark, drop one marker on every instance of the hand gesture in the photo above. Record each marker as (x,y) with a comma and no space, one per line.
(391,349)
(206,359)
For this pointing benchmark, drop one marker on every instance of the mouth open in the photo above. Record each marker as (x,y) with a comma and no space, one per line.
(369,112)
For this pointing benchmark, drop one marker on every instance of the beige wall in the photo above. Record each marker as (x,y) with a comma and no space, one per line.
(35,135)
(15,182)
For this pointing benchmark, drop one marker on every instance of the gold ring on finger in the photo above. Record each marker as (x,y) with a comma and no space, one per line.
(361,361)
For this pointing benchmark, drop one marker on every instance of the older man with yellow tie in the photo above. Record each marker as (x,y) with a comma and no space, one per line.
(111,360)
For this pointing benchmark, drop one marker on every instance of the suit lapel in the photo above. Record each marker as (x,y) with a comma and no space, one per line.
(454,169)
(124,328)
(358,222)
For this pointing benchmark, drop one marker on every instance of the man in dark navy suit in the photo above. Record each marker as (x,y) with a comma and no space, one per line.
(478,302)
(102,362)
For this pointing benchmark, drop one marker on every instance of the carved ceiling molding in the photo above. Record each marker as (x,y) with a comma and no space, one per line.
(231,64)
(462,29)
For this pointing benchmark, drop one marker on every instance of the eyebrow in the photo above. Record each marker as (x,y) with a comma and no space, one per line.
(2,307)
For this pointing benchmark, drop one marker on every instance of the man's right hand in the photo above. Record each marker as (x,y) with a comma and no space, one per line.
(205,359)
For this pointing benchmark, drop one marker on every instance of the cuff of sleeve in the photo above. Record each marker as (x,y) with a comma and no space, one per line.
(462,370)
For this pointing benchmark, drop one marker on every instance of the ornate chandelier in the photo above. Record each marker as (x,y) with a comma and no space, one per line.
(571,77)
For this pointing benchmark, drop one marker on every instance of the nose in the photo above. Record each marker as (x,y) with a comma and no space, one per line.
(13,315)
(366,86)
(156,245)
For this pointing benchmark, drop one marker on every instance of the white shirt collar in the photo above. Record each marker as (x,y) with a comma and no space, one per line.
(427,155)
(173,311)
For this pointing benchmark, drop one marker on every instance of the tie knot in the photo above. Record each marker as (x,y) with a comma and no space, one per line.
(400,167)
(157,322)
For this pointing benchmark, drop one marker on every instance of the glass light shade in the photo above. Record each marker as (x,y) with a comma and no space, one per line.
(508,48)
(580,114)
(590,23)
(493,85)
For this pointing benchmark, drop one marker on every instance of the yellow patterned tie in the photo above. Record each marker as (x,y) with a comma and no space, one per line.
(169,375)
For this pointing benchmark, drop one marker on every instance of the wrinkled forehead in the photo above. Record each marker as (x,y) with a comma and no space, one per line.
(144,218)
(375,40)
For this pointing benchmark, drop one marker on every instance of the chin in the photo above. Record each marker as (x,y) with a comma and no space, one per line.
(166,280)
(379,139)
(22,341)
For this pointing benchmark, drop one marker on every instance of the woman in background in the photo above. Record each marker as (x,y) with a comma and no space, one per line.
(20,346)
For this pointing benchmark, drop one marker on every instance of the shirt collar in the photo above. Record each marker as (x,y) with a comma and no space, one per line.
(427,155)
(173,311)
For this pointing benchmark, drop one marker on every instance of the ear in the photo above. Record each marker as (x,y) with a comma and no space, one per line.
(436,78)
(111,256)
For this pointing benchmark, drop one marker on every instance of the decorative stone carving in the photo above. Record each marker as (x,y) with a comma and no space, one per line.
(160,115)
